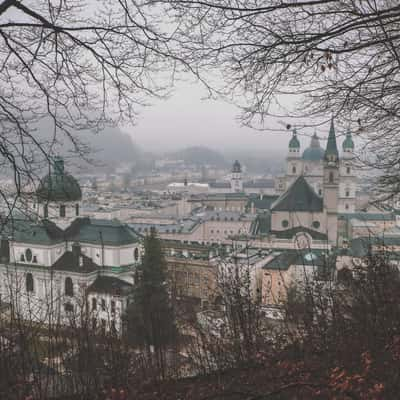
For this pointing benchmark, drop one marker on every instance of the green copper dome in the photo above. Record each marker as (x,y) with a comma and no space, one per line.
(58,185)
(294,142)
(348,143)
(314,152)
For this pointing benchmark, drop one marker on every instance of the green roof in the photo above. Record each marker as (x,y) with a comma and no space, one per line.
(294,142)
(33,232)
(299,197)
(314,152)
(331,147)
(58,185)
(284,260)
(261,202)
(348,142)
(107,232)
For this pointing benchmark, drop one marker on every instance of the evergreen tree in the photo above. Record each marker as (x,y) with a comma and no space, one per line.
(150,319)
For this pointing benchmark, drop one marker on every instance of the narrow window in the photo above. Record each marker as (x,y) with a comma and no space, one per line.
(76,209)
(62,211)
(94,304)
(69,287)
(46,211)
(29,283)
(348,170)
(294,169)
(136,254)
(112,307)
(331,177)
(103,305)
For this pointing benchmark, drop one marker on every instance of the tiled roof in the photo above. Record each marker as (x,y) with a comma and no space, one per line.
(299,197)
(259,183)
(107,232)
(67,262)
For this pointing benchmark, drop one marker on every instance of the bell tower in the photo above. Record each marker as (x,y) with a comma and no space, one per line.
(236,177)
(331,185)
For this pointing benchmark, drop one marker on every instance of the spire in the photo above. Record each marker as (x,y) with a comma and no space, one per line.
(331,152)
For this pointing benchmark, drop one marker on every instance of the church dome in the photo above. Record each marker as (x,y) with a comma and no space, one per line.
(236,167)
(348,143)
(314,152)
(58,185)
(294,142)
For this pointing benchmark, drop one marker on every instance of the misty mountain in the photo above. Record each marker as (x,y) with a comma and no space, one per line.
(198,155)
(107,148)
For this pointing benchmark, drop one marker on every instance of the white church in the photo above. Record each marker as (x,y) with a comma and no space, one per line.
(60,267)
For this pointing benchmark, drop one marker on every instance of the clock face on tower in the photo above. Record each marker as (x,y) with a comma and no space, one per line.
(302,241)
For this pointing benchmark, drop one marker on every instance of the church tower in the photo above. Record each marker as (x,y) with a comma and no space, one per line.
(293,160)
(236,177)
(331,185)
(348,184)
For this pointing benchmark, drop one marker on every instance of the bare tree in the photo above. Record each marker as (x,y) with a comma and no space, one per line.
(337,57)
(71,66)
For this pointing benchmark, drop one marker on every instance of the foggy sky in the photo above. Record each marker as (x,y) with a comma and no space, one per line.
(186,120)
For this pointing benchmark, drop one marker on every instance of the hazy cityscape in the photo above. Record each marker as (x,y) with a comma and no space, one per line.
(199,200)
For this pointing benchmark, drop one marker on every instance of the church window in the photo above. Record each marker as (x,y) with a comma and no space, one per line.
(316,224)
(28,255)
(94,304)
(346,206)
(62,211)
(34,260)
(69,287)
(136,254)
(293,169)
(347,192)
(46,211)
(103,305)
(103,326)
(285,223)
(76,209)
(22,258)
(348,170)
(331,177)
(29,282)
(94,323)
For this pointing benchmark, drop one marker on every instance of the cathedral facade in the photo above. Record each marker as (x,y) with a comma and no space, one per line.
(310,164)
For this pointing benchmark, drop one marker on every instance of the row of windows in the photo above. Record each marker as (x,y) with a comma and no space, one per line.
(68,285)
(103,305)
(62,210)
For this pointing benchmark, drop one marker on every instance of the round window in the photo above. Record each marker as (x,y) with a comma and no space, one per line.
(285,223)
(28,255)
(316,224)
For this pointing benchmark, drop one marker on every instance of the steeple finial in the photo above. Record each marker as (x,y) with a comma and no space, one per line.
(331,152)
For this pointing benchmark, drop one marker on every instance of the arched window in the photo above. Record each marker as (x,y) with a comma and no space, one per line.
(77,209)
(293,169)
(62,211)
(136,254)
(22,258)
(69,287)
(348,170)
(29,282)
(331,177)
(347,192)
(45,211)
